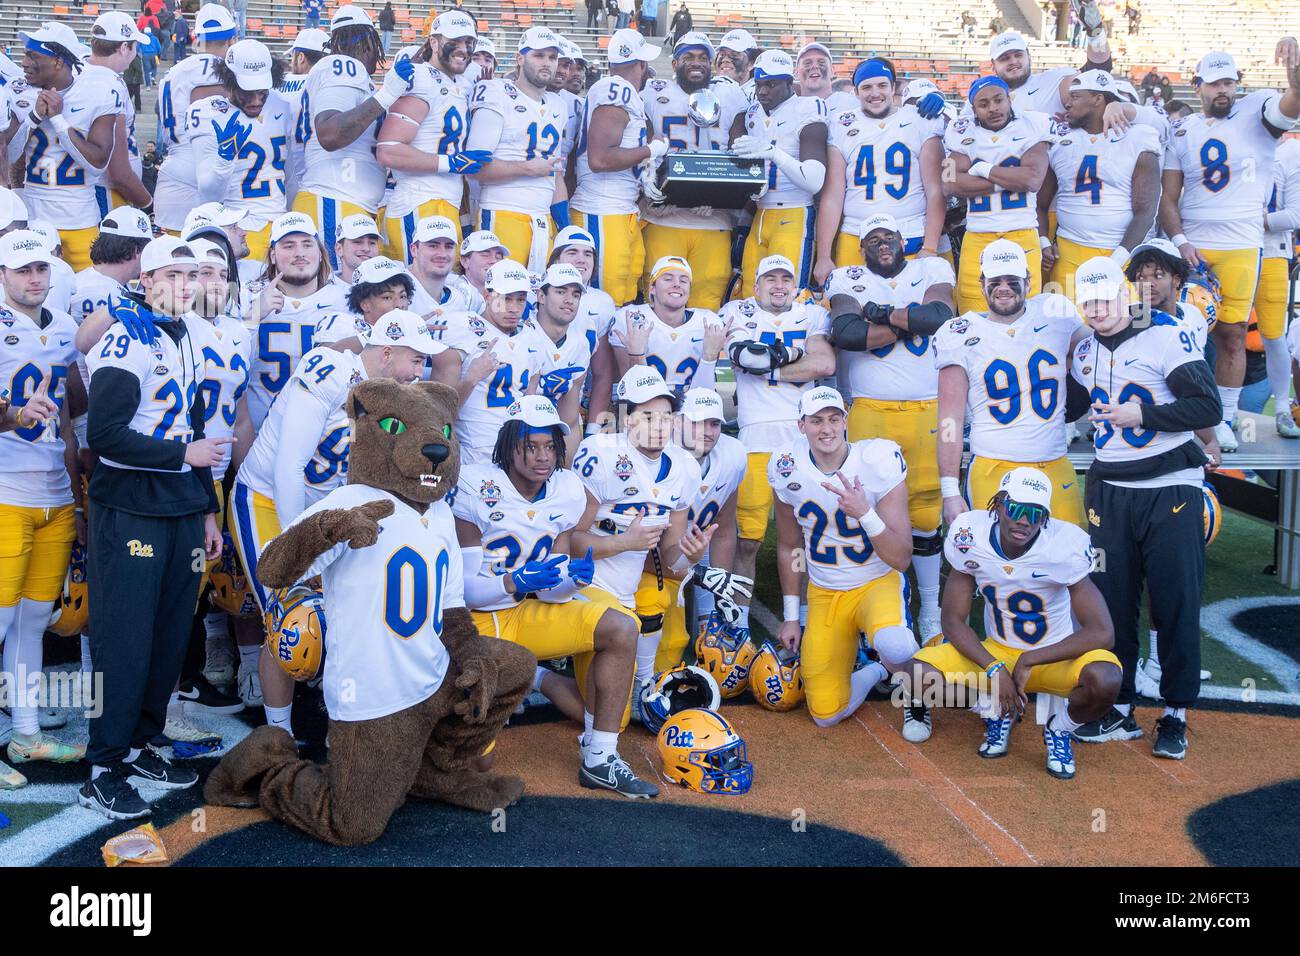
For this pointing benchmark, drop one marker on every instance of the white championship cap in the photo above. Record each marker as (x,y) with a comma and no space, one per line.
(815,399)
(208,253)
(670,264)
(627,46)
(536,411)
(54,31)
(311,40)
(641,384)
(773,65)
(250,61)
(809,47)
(481,241)
(920,87)
(117,27)
(1095,81)
(485,45)
(290,223)
(349,15)
(127,221)
(358,226)
(881,220)
(214,22)
(166,251)
(1027,486)
(562,273)
(574,236)
(1002,257)
(212,214)
(1005,42)
(702,404)
(23,247)
(742,41)
(773,264)
(454,24)
(538,38)
(12,208)
(435,227)
(377,269)
(1160,244)
(46,231)
(401,328)
(507,277)
(693,39)
(1098,280)
(1216,66)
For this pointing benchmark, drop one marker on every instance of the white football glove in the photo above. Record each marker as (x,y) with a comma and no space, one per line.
(723,584)
(753,147)
(729,611)
(657,147)
(649,188)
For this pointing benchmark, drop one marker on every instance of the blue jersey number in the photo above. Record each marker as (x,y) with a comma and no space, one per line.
(1002,383)
(1024,608)
(406,592)
(898,162)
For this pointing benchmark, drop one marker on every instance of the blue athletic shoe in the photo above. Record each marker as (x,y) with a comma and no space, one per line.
(997,736)
(1060,752)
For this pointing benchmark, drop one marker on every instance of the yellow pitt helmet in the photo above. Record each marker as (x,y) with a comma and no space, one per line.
(701,751)
(295,630)
(72,609)
(1202,290)
(774,678)
(230,588)
(726,654)
(1213,512)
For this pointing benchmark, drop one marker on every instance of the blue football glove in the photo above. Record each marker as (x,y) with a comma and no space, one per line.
(930,105)
(231,137)
(405,68)
(538,575)
(560,214)
(138,321)
(469,161)
(556,382)
(582,570)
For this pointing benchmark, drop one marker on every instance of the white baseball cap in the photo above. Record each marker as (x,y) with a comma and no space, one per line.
(1005,42)
(250,61)
(879,221)
(772,264)
(669,264)
(507,277)
(920,87)
(377,269)
(641,384)
(773,65)
(166,251)
(565,47)
(435,227)
(212,214)
(481,241)
(814,46)
(485,45)
(693,39)
(702,404)
(208,252)
(1160,244)
(54,31)
(1027,486)
(562,273)
(454,24)
(1095,81)
(349,15)
(575,52)
(536,411)
(742,41)
(290,223)
(46,231)
(1216,66)
(1126,89)
(117,27)
(214,22)
(815,399)
(627,46)
(574,236)
(357,226)
(1098,279)
(538,38)
(402,328)
(12,208)
(311,40)
(23,247)
(127,221)
(1002,257)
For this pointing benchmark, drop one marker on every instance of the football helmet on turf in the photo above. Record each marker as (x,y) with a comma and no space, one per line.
(701,751)
(774,678)
(725,651)
(230,589)
(677,689)
(295,630)
(1213,512)
(72,609)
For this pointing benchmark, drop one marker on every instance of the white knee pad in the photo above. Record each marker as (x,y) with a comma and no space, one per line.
(895,645)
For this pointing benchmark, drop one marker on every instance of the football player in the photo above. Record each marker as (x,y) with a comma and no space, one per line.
(1281,219)
(479,252)
(1047,91)
(501,359)
(308,49)
(484,60)
(1151,389)
(566,360)
(422,139)
(379,285)
(883,160)
(779,345)
(562,84)
(576,247)
(701,235)
(357,239)
(682,344)
(998,161)
(1008,366)
(1046,627)
(438,290)
(611,148)
(514,521)
(1105,186)
(520,126)
(737,53)
(814,73)
(191,80)
(240,140)
(845,505)
(301,454)
(113,41)
(39,482)
(884,316)
(71,121)
(1217,179)
(790,133)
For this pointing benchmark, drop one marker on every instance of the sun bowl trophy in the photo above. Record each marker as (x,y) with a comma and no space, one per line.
(709,177)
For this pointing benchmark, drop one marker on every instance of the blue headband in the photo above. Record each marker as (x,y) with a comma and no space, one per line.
(872,70)
(984,82)
(538,429)
(679,50)
(36,46)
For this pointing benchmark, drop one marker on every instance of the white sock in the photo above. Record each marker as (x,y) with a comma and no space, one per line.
(986,706)
(744,617)
(96,770)
(214,625)
(927,568)
(1179,712)
(249,655)
(599,746)
(1062,722)
(1153,654)
(647,645)
(1278,362)
(86,665)
(279,717)
(132,754)
(588,722)
(704,602)
(1229,397)
(23,659)
(1124,709)
(538,676)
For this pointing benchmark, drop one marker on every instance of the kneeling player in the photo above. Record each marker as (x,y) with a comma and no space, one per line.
(1033,575)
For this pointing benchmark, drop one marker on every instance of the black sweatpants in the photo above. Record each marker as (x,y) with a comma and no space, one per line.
(1156,535)
(144,579)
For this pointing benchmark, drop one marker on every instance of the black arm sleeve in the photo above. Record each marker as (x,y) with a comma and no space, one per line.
(849,332)
(114,398)
(926,318)
(1077,399)
(198,414)
(1196,403)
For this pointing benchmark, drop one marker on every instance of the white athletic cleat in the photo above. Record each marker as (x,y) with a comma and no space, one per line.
(997,736)
(250,686)
(1286,426)
(929,625)
(1060,752)
(916,723)
(1225,436)
(1146,680)
(220,666)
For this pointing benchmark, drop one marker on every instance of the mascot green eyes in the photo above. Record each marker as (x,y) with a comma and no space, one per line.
(393,426)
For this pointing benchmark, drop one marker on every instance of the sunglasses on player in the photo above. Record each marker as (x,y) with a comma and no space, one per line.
(1034,514)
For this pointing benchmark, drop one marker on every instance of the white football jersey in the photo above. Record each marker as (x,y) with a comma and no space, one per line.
(325,377)
(1285,199)
(783,128)
(903,370)
(227,347)
(290,90)
(1094,183)
(1227,174)
(455,297)
(530,130)
(1000,211)
(515,530)
(767,407)
(352,173)
(522,357)
(675,351)
(91,290)
(882,166)
(32,469)
(1026,599)
(1016,373)
(625,482)
(568,359)
(62,280)
(604,193)
(840,555)
(122,103)
(721,472)
(257,183)
(573,104)
(1193,320)
(282,339)
(441,133)
(338,326)
(385,605)
(598,308)
(177,191)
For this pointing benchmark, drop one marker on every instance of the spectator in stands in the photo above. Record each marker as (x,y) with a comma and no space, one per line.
(1166,90)
(626,8)
(997,25)
(387,24)
(1076,28)
(1134,17)
(682,23)
(239,10)
(134,79)
(1150,83)
(166,14)
(648,22)
(149,53)
(149,163)
(1049,20)
(312,11)
(180,37)
(594,9)
(968,23)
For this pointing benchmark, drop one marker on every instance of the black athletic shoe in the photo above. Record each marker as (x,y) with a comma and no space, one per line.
(200,697)
(112,795)
(1171,738)
(154,770)
(1112,726)
(616,775)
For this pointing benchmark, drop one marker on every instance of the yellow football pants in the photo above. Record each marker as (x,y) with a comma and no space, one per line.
(754,498)
(915,427)
(970,293)
(620,252)
(984,474)
(35,549)
(76,245)
(515,230)
(1271,297)
(1058,678)
(399,231)
(253,523)
(784,231)
(1238,273)
(1071,255)
(707,250)
(259,243)
(650,600)
(582,662)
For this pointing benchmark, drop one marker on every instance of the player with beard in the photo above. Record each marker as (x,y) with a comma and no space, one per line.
(577,83)
(883,160)
(814,73)
(1111,183)
(701,235)
(559,85)
(422,138)
(1047,91)
(884,317)
(1217,183)
(438,290)
(564,371)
